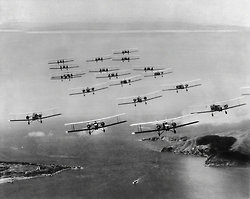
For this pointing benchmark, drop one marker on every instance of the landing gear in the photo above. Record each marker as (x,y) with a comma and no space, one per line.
(212,114)
(225,112)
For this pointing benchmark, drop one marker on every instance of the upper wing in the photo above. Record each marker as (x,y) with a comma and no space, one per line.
(61,61)
(170,124)
(144,98)
(228,104)
(114,75)
(245,90)
(67,75)
(109,121)
(124,59)
(160,72)
(185,85)
(123,51)
(99,59)
(140,129)
(97,87)
(149,68)
(63,67)
(104,70)
(48,116)
(128,80)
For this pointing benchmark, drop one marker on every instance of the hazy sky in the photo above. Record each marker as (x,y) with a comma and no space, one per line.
(225,12)
(219,59)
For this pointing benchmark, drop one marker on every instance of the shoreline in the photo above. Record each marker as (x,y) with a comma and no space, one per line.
(16,171)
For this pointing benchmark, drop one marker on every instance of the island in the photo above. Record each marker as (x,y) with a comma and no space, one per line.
(13,171)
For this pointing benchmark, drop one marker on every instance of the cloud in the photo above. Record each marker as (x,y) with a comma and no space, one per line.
(36,134)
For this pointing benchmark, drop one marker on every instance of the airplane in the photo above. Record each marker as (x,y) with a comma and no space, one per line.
(63,67)
(164,125)
(127,80)
(125,59)
(245,90)
(97,59)
(182,85)
(61,61)
(93,125)
(92,89)
(125,51)
(34,116)
(140,99)
(104,69)
(219,106)
(148,68)
(67,75)
(114,74)
(160,73)
(135,181)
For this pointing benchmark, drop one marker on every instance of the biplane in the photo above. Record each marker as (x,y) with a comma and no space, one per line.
(104,69)
(86,90)
(149,68)
(245,90)
(182,85)
(218,106)
(116,75)
(94,125)
(127,80)
(160,73)
(125,59)
(125,51)
(139,99)
(164,125)
(97,59)
(63,67)
(67,75)
(34,116)
(61,61)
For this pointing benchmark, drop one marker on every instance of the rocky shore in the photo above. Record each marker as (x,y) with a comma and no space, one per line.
(11,171)
(219,150)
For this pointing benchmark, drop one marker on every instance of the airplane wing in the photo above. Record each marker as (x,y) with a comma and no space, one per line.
(140,130)
(245,90)
(228,104)
(124,51)
(21,117)
(144,98)
(63,67)
(100,59)
(90,60)
(186,85)
(126,80)
(178,122)
(114,75)
(104,70)
(160,73)
(108,121)
(149,68)
(97,87)
(67,76)
(48,116)
(61,61)
(120,59)
(18,120)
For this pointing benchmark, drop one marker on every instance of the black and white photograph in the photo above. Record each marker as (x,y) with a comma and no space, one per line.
(135,99)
